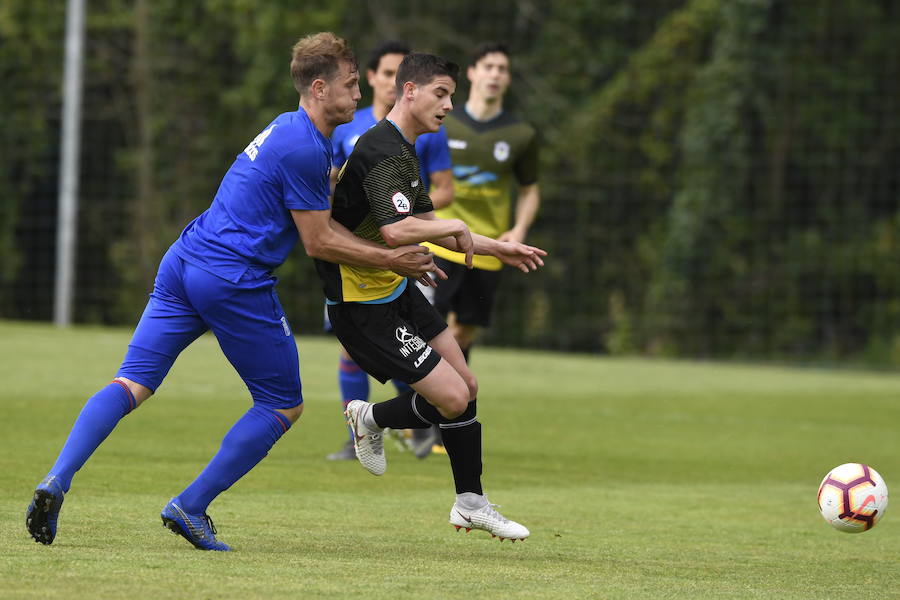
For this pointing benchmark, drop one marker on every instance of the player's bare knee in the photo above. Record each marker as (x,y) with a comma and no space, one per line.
(140,392)
(292,413)
(472,384)
(455,404)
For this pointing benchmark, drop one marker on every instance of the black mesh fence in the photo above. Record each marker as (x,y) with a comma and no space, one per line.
(719,178)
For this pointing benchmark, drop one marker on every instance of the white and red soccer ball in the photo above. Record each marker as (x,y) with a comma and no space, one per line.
(853,497)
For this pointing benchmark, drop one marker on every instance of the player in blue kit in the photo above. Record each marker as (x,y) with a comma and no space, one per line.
(218,276)
(435,167)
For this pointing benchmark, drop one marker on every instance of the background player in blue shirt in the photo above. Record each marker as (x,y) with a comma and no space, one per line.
(435,170)
(218,276)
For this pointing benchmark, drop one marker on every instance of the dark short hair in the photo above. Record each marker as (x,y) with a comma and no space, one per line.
(485,48)
(388,47)
(422,68)
(318,56)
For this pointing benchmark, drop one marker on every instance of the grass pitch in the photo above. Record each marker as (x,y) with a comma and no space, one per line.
(637,478)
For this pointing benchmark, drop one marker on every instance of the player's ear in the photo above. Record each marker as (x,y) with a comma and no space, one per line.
(409,90)
(319,89)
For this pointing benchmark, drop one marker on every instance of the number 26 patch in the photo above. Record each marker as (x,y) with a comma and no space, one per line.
(401,203)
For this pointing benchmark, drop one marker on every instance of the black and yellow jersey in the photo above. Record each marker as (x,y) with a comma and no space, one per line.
(378,185)
(488,156)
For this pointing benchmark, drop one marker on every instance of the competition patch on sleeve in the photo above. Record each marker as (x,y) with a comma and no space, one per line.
(401,203)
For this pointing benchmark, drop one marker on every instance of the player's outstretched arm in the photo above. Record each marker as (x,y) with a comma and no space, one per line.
(515,254)
(425,227)
(326,239)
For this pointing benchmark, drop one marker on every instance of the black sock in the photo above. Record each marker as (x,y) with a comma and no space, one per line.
(462,439)
(398,413)
(463,446)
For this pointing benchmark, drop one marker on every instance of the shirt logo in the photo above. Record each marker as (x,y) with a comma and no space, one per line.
(401,203)
(409,342)
(414,183)
(501,151)
(252,149)
(457,144)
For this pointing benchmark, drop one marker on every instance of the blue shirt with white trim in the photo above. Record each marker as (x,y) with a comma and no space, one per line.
(249,227)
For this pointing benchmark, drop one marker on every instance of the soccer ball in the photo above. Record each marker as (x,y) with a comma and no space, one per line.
(853,497)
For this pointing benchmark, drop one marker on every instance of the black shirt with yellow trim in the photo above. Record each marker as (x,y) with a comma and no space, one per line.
(378,185)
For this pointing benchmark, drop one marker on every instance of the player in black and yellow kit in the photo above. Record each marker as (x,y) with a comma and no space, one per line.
(384,321)
(494,152)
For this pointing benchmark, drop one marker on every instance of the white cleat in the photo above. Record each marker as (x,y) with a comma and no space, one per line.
(369,444)
(488,519)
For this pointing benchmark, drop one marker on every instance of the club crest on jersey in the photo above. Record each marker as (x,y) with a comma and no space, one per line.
(501,151)
(401,203)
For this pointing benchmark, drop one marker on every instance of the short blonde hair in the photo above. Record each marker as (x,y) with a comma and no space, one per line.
(318,56)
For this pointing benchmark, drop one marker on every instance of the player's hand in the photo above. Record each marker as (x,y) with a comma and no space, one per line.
(412,261)
(430,279)
(522,256)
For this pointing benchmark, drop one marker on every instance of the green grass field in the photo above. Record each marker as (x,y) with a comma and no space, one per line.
(637,478)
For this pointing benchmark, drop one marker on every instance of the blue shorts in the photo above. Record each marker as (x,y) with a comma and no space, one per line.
(246,318)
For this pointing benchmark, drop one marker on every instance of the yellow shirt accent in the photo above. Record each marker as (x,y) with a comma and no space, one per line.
(479,261)
(359,284)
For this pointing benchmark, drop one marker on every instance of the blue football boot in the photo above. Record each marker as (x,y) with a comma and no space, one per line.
(197,529)
(42,513)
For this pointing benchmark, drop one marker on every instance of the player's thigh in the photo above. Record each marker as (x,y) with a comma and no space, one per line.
(446,345)
(167,326)
(251,327)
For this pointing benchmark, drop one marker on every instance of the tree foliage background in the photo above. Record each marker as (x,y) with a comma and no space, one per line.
(721,178)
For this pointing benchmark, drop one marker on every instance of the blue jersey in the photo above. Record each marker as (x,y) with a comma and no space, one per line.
(431,148)
(249,227)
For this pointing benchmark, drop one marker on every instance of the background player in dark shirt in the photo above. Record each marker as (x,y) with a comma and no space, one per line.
(495,155)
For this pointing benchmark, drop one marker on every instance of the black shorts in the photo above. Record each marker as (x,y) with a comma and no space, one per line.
(467,292)
(390,341)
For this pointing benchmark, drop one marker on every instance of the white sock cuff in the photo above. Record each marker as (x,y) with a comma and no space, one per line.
(369,420)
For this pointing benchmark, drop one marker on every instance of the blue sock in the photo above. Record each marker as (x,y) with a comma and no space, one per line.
(247,443)
(100,415)
(354,383)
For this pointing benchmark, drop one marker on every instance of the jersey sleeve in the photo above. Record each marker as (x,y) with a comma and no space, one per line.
(435,152)
(390,195)
(526,167)
(303,175)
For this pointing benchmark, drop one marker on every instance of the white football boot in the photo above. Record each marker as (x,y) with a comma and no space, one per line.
(369,444)
(485,517)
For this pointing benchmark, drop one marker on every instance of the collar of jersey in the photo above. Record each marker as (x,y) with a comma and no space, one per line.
(400,131)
